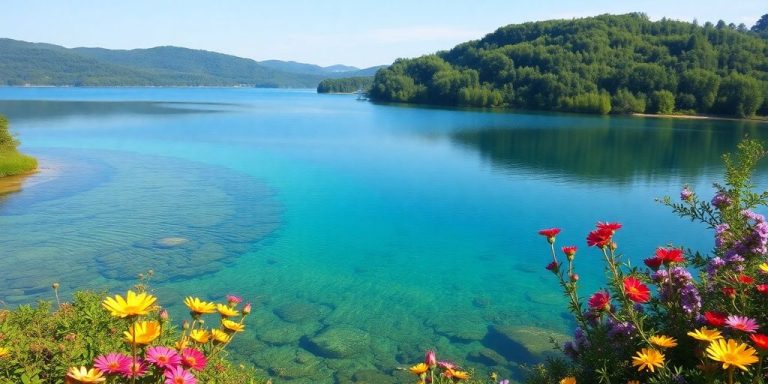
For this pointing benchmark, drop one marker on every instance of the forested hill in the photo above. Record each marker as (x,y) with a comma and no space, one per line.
(603,64)
(23,63)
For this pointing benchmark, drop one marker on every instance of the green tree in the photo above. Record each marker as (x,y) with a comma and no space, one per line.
(7,141)
(761,26)
(662,102)
(739,95)
(703,85)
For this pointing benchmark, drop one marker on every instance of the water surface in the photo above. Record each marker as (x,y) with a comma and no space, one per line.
(364,233)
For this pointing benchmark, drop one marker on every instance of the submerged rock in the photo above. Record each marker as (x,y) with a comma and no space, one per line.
(524,344)
(339,342)
(170,242)
(298,312)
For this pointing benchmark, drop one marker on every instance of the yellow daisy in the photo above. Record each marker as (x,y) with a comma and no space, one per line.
(663,341)
(732,353)
(142,332)
(133,305)
(705,334)
(232,326)
(219,336)
(459,375)
(4,352)
(418,369)
(84,375)
(200,335)
(226,310)
(198,307)
(568,380)
(763,267)
(648,358)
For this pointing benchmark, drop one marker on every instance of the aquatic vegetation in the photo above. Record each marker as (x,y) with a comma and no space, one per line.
(119,339)
(659,323)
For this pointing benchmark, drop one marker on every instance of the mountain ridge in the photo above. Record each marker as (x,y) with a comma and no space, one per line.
(27,63)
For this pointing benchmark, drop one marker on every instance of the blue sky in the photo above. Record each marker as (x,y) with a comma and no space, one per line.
(325,32)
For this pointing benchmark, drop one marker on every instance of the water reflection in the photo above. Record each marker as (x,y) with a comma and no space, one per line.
(612,150)
(49,110)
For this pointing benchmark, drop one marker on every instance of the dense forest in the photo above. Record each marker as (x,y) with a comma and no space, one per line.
(604,64)
(24,63)
(345,85)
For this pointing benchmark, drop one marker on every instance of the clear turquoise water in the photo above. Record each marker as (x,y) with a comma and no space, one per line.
(393,229)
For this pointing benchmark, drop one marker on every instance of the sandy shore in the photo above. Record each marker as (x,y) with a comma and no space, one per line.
(698,117)
(9,184)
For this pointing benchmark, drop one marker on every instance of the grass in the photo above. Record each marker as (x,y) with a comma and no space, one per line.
(13,162)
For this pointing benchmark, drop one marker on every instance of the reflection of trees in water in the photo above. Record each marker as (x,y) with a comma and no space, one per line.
(637,148)
(40,109)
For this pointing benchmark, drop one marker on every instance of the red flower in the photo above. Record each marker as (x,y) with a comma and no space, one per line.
(728,291)
(762,288)
(636,290)
(613,227)
(715,319)
(744,279)
(550,234)
(600,301)
(599,238)
(760,340)
(670,255)
(569,250)
(653,263)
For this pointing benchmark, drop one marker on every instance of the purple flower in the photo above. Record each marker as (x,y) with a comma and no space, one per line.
(721,200)
(686,194)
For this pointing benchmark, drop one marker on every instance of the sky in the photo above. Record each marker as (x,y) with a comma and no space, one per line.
(361,33)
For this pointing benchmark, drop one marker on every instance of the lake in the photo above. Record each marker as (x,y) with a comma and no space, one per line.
(363,234)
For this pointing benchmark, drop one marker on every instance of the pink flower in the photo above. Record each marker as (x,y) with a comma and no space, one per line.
(234,300)
(246,309)
(670,255)
(134,368)
(178,375)
(613,227)
(447,365)
(193,359)
(430,358)
(742,323)
(112,363)
(653,263)
(569,251)
(762,288)
(163,357)
(599,238)
(553,266)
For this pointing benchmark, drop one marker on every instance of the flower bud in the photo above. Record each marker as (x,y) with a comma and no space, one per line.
(246,309)
(55,285)
(430,359)
(554,267)
(574,277)
(185,325)
(164,315)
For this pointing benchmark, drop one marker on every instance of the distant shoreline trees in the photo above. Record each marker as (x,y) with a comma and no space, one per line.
(604,64)
(345,85)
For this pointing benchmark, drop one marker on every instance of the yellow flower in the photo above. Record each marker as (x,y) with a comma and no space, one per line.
(132,305)
(705,334)
(663,341)
(226,310)
(181,344)
(419,369)
(142,332)
(648,358)
(4,352)
(763,267)
(198,306)
(732,353)
(633,382)
(232,326)
(460,375)
(219,336)
(200,335)
(568,380)
(84,375)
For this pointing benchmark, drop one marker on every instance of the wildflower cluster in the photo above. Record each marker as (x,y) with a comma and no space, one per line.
(145,359)
(659,324)
(445,372)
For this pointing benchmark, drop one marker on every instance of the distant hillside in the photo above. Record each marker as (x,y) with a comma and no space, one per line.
(603,64)
(23,63)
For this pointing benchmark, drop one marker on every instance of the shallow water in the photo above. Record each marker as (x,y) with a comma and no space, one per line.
(364,233)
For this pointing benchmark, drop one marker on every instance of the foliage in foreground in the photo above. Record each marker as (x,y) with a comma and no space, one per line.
(659,324)
(11,161)
(38,345)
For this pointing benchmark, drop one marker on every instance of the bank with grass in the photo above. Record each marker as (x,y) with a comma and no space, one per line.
(12,162)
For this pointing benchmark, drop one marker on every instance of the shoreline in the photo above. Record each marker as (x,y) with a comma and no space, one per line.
(15,183)
(699,117)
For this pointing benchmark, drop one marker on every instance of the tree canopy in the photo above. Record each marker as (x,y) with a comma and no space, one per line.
(603,64)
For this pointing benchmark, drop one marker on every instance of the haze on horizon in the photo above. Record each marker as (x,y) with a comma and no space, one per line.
(357,33)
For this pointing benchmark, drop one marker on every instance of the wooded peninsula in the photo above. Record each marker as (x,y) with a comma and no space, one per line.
(604,64)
